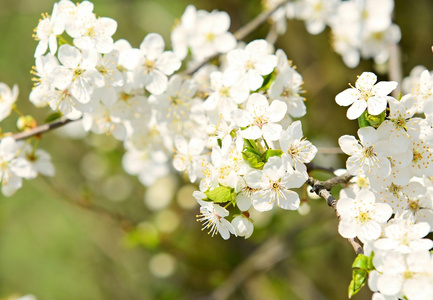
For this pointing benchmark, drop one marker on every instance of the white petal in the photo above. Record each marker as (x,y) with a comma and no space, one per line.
(271,131)
(366,81)
(251,133)
(158,83)
(347,97)
(383,88)
(152,46)
(277,111)
(376,105)
(357,108)
(349,144)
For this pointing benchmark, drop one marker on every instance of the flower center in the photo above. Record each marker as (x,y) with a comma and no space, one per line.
(400,123)
(77,73)
(149,65)
(224,92)
(362,182)
(368,152)
(102,70)
(395,189)
(417,156)
(414,206)
(364,217)
(90,32)
(249,65)
(210,37)
(260,121)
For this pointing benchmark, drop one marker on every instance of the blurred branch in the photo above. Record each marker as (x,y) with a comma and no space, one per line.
(272,36)
(395,72)
(126,224)
(322,189)
(269,254)
(39,130)
(242,33)
(329,150)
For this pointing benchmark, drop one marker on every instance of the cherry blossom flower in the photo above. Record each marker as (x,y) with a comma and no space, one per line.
(243,225)
(94,33)
(44,66)
(77,71)
(7,99)
(12,167)
(366,95)
(212,215)
(211,35)
(369,157)
(188,156)
(261,118)
(251,63)
(47,31)
(274,183)
(297,150)
(405,237)
(362,216)
(151,64)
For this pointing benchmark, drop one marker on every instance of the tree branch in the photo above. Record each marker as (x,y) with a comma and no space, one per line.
(322,189)
(125,223)
(395,72)
(40,129)
(240,34)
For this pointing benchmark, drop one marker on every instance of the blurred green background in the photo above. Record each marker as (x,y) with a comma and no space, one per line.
(57,250)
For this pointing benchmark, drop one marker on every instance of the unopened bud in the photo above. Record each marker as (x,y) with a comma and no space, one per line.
(26,122)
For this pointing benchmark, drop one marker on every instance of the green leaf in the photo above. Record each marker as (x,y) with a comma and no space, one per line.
(359,278)
(399,96)
(254,160)
(267,81)
(361,262)
(271,152)
(252,146)
(362,120)
(221,194)
(53,117)
(370,265)
(375,121)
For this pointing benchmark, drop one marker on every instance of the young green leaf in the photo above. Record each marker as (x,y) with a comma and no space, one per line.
(221,194)
(359,278)
(254,160)
(271,152)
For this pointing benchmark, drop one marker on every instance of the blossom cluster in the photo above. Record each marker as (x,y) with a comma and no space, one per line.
(389,204)
(227,126)
(18,160)
(231,126)
(358,28)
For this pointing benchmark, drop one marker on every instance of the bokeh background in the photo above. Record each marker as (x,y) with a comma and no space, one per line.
(55,249)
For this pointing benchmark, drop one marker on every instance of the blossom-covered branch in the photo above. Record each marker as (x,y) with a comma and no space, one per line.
(40,129)
(242,33)
(322,189)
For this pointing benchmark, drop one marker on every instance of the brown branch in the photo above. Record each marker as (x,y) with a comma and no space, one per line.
(40,129)
(240,34)
(329,150)
(322,189)
(125,223)
(269,254)
(395,71)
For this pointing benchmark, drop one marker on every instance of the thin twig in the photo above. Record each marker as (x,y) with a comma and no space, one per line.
(39,130)
(242,33)
(270,253)
(322,189)
(395,72)
(125,223)
(272,36)
(329,150)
